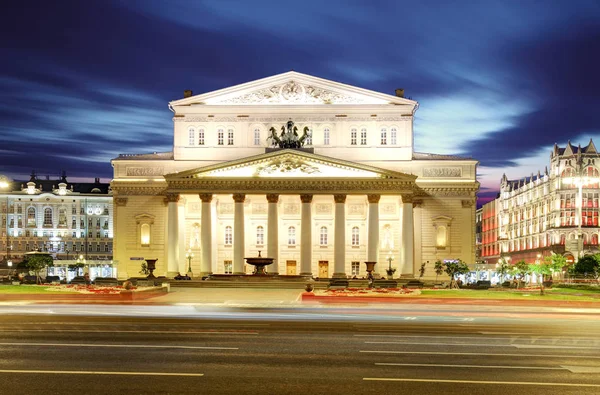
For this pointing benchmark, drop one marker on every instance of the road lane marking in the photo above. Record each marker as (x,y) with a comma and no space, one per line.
(582,369)
(472,366)
(448,344)
(112,331)
(542,346)
(101,373)
(116,346)
(479,353)
(482,382)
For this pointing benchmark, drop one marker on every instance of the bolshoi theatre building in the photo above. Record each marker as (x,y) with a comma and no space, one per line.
(319,175)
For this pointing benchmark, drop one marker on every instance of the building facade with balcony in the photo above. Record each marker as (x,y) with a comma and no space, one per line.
(68,220)
(554,211)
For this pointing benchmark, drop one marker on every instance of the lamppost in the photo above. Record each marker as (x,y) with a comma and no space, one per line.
(390,271)
(538,261)
(189,255)
(80,263)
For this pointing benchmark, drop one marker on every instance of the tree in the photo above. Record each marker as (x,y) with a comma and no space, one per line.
(454,268)
(144,269)
(439,269)
(549,265)
(75,267)
(520,270)
(36,261)
(503,269)
(589,265)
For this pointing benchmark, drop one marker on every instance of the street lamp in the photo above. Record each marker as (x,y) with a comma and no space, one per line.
(390,271)
(80,262)
(189,255)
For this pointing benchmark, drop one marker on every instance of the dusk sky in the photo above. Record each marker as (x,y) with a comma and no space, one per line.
(499,81)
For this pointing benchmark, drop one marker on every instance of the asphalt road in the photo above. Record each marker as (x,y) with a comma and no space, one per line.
(112,350)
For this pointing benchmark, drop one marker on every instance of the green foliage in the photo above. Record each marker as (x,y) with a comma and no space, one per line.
(438,266)
(36,262)
(504,268)
(589,265)
(454,268)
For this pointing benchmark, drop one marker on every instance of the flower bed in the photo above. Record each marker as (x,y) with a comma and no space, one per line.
(86,289)
(373,292)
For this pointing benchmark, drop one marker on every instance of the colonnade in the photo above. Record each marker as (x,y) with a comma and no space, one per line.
(373,227)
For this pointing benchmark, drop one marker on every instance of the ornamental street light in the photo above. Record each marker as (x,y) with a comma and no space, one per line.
(189,255)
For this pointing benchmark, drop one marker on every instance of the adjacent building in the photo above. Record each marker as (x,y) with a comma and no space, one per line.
(319,175)
(70,220)
(552,211)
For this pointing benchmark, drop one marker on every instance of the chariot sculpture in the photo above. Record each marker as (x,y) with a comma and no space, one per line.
(289,137)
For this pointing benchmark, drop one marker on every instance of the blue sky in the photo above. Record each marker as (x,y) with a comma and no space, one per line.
(500,81)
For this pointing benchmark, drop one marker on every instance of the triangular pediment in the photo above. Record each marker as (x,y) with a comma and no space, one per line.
(292,88)
(289,163)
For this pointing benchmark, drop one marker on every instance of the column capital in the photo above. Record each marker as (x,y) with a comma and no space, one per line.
(417,203)
(373,198)
(239,197)
(306,198)
(206,197)
(406,198)
(171,197)
(272,197)
(121,201)
(339,198)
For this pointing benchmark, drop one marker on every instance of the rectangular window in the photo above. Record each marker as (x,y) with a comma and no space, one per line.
(106,248)
(383,137)
(230,137)
(393,135)
(326,137)
(355,268)
(227,267)
(220,136)
(191,136)
(353,137)
(201,137)
(256,136)
(363,137)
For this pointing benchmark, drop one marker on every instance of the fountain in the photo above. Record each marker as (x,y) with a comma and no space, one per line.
(259,263)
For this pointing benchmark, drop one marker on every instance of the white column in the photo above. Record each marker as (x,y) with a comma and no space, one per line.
(273,233)
(468,223)
(206,234)
(339,253)
(182,267)
(407,259)
(373,230)
(306,236)
(418,253)
(238,233)
(172,235)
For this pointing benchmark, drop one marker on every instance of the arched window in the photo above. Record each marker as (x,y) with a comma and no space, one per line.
(323,236)
(353,136)
(383,136)
(291,236)
(62,216)
(260,235)
(355,236)
(145,234)
(220,136)
(309,138)
(595,239)
(200,136)
(257,136)
(393,136)
(31,216)
(363,136)
(230,137)
(326,136)
(191,136)
(228,236)
(47,216)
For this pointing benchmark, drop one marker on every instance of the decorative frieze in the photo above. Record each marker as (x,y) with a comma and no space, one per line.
(144,171)
(388,209)
(468,203)
(259,208)
(225,208)
(323,208)
(291,209)
(442,172)
(356,209)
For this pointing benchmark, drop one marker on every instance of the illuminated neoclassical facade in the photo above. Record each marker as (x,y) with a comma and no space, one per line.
(349,190)
(554,211)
